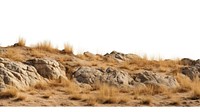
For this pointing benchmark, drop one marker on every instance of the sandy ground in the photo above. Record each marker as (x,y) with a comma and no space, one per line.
(58,96)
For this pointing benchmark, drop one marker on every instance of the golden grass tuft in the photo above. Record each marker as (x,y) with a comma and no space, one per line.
(21,42)
(47,95)
(149,90)
(20,97)
(45,45)
(146,100)
(68,49)
(184,82)
(196,89)
(108,94)
(189,85)
(41,86)
(75,97)
(8,93)
(13,54)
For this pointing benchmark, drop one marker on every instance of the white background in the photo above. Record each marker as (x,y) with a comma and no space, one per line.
(166,28)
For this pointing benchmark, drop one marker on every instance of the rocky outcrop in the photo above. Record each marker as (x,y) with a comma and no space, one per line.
(17,74)
(148,77)
(111,76)
(192,70)
(120,56)
(119,78)
(187,61)
(47,68)
(87,75)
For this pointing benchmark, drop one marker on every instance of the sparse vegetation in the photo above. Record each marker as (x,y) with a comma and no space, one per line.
(98,93)
(8,93)
(146,100)
(45,45)
(68,49)
(21,42)
(76,97)
(41,85)
(20,97)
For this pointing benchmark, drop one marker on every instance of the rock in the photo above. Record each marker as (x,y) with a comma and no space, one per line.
(117,77)
(88,54)
(192,72)
(197,62)
(17,74)
(187,61)
(87,75)
(47,68)
(147,77)
(120,56)
(111,76)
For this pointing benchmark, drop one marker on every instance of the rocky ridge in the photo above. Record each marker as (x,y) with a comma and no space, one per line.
(30,72)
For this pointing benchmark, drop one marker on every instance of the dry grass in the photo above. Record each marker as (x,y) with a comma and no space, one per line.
(45,45)
(184,82)
(149,90)
(68,49)
(41,86)
(146,64)
(175,101)
(21,42)
(146,100)
(37,53)
(13,54)
(70,86)
(8,93)
(20,97)
(91,101)
(109,94)
(190,85)
(195,89)
(75,97)
(47,95)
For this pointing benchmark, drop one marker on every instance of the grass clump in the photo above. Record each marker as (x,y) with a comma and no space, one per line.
(8,93)
(68,49)
(21,42)
(45,45)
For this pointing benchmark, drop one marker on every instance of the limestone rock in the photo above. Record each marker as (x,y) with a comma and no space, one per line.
(87,75)
(120,56)
(192,71)
(117,77)
(47,68)
(17,74)
(147,77)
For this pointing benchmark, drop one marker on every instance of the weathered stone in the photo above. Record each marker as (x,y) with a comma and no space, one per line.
(147,77)
(47,68)
(17,74)
(120,56)
(87,75)
(187,61)
(117,77)
(192,72)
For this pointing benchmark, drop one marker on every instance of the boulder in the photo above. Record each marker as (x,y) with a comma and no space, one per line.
(110,76)
(17,74)
(187,61)
(148,77)
(120,56)
(192,71)
(117,77)
(47,68)
(87,75)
